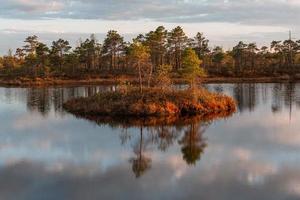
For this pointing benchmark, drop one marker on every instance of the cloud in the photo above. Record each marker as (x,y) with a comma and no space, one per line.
(224,22)
(266,12)
(249,180)
(28,7)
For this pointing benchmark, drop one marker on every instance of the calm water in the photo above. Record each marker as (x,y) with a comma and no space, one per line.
(46,153)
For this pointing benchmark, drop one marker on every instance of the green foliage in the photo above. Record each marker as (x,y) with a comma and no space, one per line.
(228,64)
(200,45)
(157,42)
(164,69)
(177,43)
(162,76)
(89,53)
(31,44)
(139,52)
(59,49)
(140,57)
(191,69)
(218,55)
(113,46)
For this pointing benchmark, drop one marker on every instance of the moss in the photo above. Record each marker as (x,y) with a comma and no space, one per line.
(152,103)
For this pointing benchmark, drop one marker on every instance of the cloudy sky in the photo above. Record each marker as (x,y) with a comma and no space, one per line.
(225,22)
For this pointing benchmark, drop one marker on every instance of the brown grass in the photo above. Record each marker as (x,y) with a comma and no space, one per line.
(168,105)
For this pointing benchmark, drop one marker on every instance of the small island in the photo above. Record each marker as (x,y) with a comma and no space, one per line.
(152,102)
(156,97)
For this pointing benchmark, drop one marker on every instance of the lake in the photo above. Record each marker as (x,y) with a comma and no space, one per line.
(46,153)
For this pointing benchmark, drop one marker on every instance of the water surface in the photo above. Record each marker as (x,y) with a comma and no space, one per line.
(46,153)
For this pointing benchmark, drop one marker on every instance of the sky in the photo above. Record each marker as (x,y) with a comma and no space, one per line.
(224,22)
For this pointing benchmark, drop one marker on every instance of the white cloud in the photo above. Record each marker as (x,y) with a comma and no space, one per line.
(225,22)
(237,11)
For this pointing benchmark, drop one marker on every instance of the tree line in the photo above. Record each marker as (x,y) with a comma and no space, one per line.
(152,53)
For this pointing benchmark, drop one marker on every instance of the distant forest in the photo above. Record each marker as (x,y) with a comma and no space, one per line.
(152,50)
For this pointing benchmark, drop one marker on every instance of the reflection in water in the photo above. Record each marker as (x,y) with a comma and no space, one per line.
(163,137)
(193,143)
(140,163)
(249,95)
(46,153)
(43,99)
(39,99)
(245,94)
(189,137)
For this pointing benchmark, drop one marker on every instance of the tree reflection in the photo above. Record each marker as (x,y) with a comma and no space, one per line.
(42,100)
(140,163)
(193,144)
(285,96)
(124,136)
(186,133)
(245,95)
(276,99)
(38,100)
(289,98)
(165,136)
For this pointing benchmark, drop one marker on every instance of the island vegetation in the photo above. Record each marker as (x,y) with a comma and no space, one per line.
(152,103)
(94,62)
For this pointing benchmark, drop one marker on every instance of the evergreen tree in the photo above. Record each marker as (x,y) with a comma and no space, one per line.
(191,69)
(140,58)
(59,49)
(177,43)
(113,47)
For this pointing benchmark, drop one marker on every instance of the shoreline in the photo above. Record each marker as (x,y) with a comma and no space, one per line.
(45,82)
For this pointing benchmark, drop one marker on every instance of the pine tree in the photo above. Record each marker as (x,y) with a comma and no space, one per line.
(191,69)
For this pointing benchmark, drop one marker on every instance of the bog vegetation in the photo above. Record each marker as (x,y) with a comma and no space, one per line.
(153,103)
(154,54)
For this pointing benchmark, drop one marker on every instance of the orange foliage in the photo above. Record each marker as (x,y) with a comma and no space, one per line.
(153,102)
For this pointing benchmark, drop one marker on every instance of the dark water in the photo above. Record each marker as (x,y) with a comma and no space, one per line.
(46,153)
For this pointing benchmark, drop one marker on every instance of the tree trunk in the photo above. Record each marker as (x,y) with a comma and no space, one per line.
(150,76)
(140,77)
